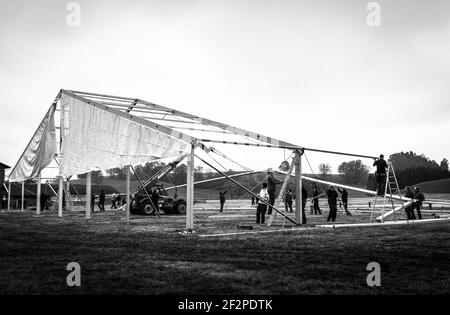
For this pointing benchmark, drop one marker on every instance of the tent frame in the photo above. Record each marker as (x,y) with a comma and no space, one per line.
(164,119)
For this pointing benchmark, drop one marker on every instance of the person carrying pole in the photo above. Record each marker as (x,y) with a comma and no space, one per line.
(272,183)
(261,207)
(332,203)
(316,200)
(381,166)
(344,198)
(222,199)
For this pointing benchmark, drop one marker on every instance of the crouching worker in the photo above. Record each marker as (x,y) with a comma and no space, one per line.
(418,204)
(262,207)
(410,209)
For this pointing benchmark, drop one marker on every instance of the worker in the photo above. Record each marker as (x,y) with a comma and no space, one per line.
(93,201)
(113,201)
(43,201)
(288,197)
(155,201)
(380,174)
(222,199)
(118,201)
(304,199)
(253,200)
(344,198)
(418,204)
(409,209)
(101,201)
(263,198)
(272,183)
(332,203)
(316,200)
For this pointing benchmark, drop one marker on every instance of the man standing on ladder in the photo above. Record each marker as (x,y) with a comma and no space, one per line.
(382,167)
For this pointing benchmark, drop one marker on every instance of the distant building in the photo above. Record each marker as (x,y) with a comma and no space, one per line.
(3,193)
(3,167)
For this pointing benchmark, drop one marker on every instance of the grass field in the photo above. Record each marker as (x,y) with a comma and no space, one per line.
(149,256)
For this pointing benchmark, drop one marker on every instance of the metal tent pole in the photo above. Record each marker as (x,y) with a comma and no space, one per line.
(9,196)
(298,188)
(38,195)
(23,195)
(190,189)
(88,194)
(127,170)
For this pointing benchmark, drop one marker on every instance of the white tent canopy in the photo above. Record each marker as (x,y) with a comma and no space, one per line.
(40,151)
(96,139)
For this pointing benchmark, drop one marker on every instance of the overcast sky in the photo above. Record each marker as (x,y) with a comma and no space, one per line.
(313,73)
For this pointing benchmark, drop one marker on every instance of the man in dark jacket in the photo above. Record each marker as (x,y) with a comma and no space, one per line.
(43,201)
(410,209)
(155,201)
(418,204)
(380,174)
(222,199)
(316,200)
(93,196)
(332,203)
(101,201)
(271,188)
(288,197)
(344,197)
(304,199)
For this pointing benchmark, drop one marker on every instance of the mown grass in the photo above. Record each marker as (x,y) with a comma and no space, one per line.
(150,257)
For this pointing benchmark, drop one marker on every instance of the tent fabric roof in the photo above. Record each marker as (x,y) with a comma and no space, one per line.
(155,132)
(181,124)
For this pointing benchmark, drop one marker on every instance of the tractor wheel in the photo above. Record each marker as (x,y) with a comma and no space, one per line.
(148,210)
(181,208)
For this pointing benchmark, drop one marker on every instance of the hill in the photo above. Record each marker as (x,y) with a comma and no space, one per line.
(441,186)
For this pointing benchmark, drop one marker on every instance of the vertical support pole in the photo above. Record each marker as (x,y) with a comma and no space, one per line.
(127,170)
(61,183)
(9,196)
(88,195)
(60,196)
(38,195)
(23,195)
(298,188)
(190,190)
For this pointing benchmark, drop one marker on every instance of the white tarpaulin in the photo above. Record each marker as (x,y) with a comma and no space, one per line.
(39,153)
(97,139)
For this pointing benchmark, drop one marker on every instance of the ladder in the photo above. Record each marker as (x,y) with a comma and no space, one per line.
(390,188)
